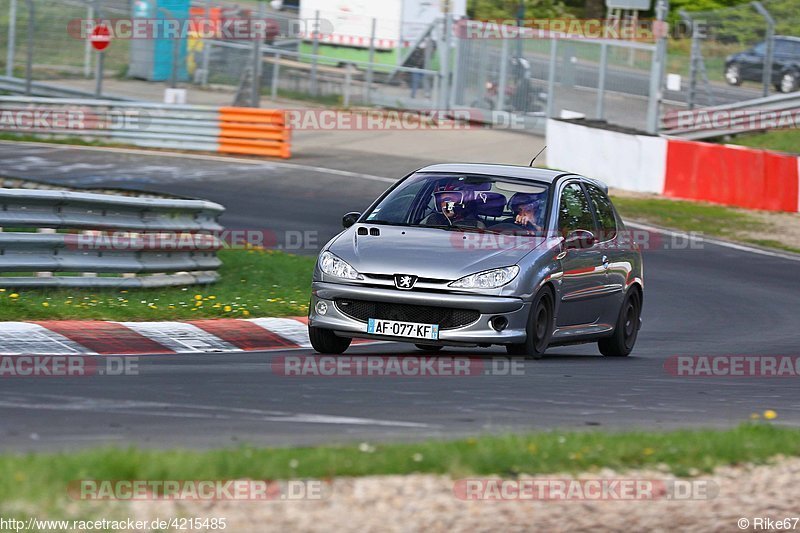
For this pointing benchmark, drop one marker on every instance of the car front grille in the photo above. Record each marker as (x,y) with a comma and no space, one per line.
(445,317)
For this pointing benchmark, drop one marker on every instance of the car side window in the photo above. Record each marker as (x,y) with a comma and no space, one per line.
(760,49)
(605,213)
(574,212)
(783,47)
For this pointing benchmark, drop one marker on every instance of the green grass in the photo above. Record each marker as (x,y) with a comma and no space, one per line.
(44,477)
(708,219)
(253,283)
(687,216)
(780,140)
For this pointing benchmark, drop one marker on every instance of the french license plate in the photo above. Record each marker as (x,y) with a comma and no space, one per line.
(403,329)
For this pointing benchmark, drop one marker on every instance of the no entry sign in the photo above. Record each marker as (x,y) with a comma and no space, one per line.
(100,38)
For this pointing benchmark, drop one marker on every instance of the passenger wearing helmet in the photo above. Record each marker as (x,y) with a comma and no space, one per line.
(527,211)
(454,208)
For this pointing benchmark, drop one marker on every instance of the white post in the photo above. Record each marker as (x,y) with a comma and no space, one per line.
(12,35)
(87,47)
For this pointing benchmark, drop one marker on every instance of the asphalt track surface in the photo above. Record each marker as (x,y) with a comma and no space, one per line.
(710,301)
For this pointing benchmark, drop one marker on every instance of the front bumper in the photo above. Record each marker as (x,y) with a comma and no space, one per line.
(515,310)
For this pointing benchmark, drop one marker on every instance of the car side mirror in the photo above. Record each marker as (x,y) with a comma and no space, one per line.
(580,239)
(350,218)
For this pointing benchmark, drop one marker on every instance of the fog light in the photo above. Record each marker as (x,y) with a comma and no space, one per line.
(321,307)
(498,323)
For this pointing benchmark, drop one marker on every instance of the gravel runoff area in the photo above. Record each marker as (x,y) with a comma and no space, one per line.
(427,503)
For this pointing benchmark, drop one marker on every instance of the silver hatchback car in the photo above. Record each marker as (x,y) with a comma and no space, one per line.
(481,255)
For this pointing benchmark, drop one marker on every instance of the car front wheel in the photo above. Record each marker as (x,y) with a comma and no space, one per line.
(326,341)
(621,343)
(733,74)
(539,329)
(789,82)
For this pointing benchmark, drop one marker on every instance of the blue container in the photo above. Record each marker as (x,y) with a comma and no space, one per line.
(151,59)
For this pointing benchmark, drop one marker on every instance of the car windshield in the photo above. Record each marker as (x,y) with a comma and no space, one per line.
(465,203)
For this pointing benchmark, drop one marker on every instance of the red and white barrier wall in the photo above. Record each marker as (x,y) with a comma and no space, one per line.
(723,174)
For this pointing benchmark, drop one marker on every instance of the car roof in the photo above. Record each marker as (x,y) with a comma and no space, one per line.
(545,175)
(505,171)
(788,38)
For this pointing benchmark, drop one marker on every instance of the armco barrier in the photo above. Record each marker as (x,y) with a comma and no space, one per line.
(235,130)
(724,174)
(99,240)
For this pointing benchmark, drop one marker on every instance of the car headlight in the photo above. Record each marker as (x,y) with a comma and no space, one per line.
(333,266)
(490,279)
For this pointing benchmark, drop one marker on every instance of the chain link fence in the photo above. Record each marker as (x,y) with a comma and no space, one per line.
(35,35)
(535,77)
(737,53)
(430,68)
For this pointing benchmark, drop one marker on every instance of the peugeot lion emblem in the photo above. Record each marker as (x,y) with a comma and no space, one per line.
(404,281)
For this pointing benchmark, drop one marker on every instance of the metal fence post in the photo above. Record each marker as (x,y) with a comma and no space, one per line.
(315,52)
(12,36)
(87,47)
(657,71)
(255,87)
(551,77)
(456,83)
(501,83)
(100,62)
(601,82)
(29,51)
(444,71)
(206,58)
(348,79)
(275,75)
(770,40)
(371,66)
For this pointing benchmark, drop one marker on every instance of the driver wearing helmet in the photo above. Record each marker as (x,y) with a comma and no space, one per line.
(527,211)
(454,208)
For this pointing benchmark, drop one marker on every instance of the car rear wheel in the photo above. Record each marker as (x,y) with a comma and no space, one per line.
(789,82)
(428,347)
(539,329)
(733,74)
(621,343)
(326,341)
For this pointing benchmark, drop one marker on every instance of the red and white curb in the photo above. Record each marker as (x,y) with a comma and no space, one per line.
(74,337)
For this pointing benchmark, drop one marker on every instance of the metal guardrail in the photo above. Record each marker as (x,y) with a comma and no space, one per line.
(98,240)
(18,86)
(236,130)
(739,117)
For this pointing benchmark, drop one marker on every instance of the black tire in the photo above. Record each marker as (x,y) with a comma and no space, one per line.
(621,343)
(429,347)
(539,328)
(733,74)
(326,341)
(789,82)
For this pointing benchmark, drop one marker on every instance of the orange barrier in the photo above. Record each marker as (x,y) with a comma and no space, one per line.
(732,175)
(253,131)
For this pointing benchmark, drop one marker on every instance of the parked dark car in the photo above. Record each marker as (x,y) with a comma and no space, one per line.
(749,65)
